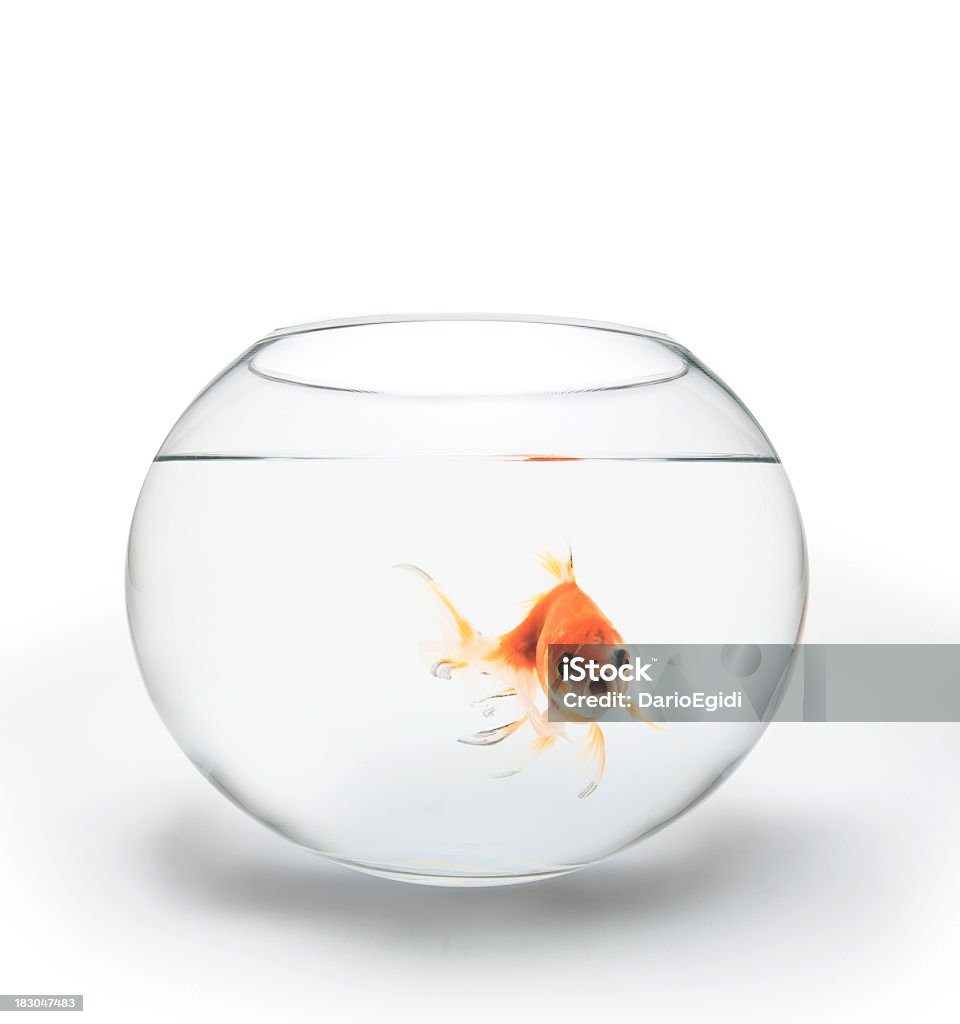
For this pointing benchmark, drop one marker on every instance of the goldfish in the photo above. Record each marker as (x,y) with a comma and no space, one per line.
(563,617)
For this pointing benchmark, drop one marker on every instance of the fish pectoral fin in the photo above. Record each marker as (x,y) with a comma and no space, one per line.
(594,751)
(488,737)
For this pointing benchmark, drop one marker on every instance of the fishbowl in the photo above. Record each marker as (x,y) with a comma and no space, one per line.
(356,550)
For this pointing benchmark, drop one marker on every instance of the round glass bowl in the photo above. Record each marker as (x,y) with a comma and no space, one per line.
(351,551)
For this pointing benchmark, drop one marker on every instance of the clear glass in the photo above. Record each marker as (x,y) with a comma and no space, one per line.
(339,531)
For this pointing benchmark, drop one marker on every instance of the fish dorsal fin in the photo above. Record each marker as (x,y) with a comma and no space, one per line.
(560,570)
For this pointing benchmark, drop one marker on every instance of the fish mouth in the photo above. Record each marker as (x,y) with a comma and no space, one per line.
(603,654)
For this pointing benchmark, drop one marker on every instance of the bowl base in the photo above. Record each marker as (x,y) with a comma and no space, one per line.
(454,879)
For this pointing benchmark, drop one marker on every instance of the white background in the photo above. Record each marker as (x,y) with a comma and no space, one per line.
(774,185)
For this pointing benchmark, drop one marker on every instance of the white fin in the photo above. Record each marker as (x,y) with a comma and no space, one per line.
(488,737)
(594,751)
(462,645)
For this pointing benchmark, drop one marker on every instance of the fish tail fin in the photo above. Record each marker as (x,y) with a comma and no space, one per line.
(462,645)
(489,737)
(594,751)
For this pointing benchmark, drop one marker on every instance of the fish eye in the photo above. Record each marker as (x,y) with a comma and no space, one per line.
(620,657)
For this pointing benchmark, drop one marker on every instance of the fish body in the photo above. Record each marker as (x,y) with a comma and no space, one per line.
(564,616)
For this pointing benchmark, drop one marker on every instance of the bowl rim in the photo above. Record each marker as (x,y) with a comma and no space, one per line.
(251,356)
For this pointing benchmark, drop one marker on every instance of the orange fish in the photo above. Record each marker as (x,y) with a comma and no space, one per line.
(563,616)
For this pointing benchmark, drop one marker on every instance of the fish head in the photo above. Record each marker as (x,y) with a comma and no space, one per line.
(585,660)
